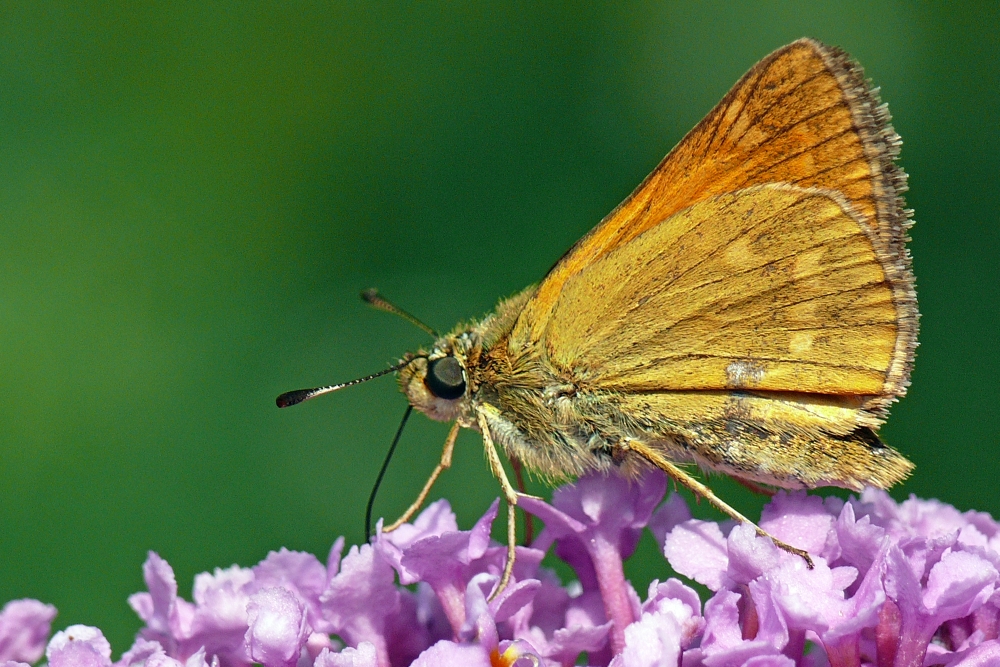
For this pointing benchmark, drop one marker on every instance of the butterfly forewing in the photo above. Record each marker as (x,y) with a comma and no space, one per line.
(680,311)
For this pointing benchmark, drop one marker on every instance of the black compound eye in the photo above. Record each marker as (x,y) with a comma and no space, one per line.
(444,378)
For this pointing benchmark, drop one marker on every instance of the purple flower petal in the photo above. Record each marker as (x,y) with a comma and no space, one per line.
(771,624)
(859,539)
(442,558)
(362,656)
(653,640)
(449,654)
(842,639)
(669,623)
(513,598)
(218,619)
(750,555)
(566,644)
(78,654)
(150,654)
(436,520)
(157,608)
(361,598)
(723,628)
(333,559)
(408,633)
(298,572)
(564,531)
(679,602)
(277,627)
(905,585)
(443,562)
(602,515)
(804,521)
(986,654)
(929,518)
(982,624)
(769,661)
(810,599)
(197,659)
(449,561)
(560,626)
(161,659)
(486,615)
(431,614)
(671,589)
(958,584)
(698,550)
(513,653)
(613,506)
(723,642)
(79,646)
(24,629)
(141,650)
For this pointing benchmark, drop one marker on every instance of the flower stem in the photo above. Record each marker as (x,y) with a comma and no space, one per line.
(614,589)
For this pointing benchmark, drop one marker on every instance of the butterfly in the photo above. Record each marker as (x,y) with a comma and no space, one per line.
(748,309)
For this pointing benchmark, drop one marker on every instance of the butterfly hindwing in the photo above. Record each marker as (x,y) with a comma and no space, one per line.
(772,288)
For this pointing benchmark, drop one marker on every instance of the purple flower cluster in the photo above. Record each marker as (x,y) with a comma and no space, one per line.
(914,584)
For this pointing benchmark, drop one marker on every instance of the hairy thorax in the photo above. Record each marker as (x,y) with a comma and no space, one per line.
(537,414)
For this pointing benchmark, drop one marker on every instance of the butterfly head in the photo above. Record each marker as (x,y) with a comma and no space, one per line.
(437,383)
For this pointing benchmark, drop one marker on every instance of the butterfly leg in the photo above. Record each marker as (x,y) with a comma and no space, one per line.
(443,464)
(699,489)
(510,495)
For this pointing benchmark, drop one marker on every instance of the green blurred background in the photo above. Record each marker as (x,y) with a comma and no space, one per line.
(193,194)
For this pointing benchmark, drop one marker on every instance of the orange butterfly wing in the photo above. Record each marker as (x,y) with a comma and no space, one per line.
(802,116)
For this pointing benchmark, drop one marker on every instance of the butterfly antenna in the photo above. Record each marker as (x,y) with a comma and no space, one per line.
(300,395)
(381,474)
(373,298)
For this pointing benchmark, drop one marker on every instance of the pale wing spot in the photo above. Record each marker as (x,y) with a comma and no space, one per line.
(800,342)
(809,264)
(739,254)
(744,373)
